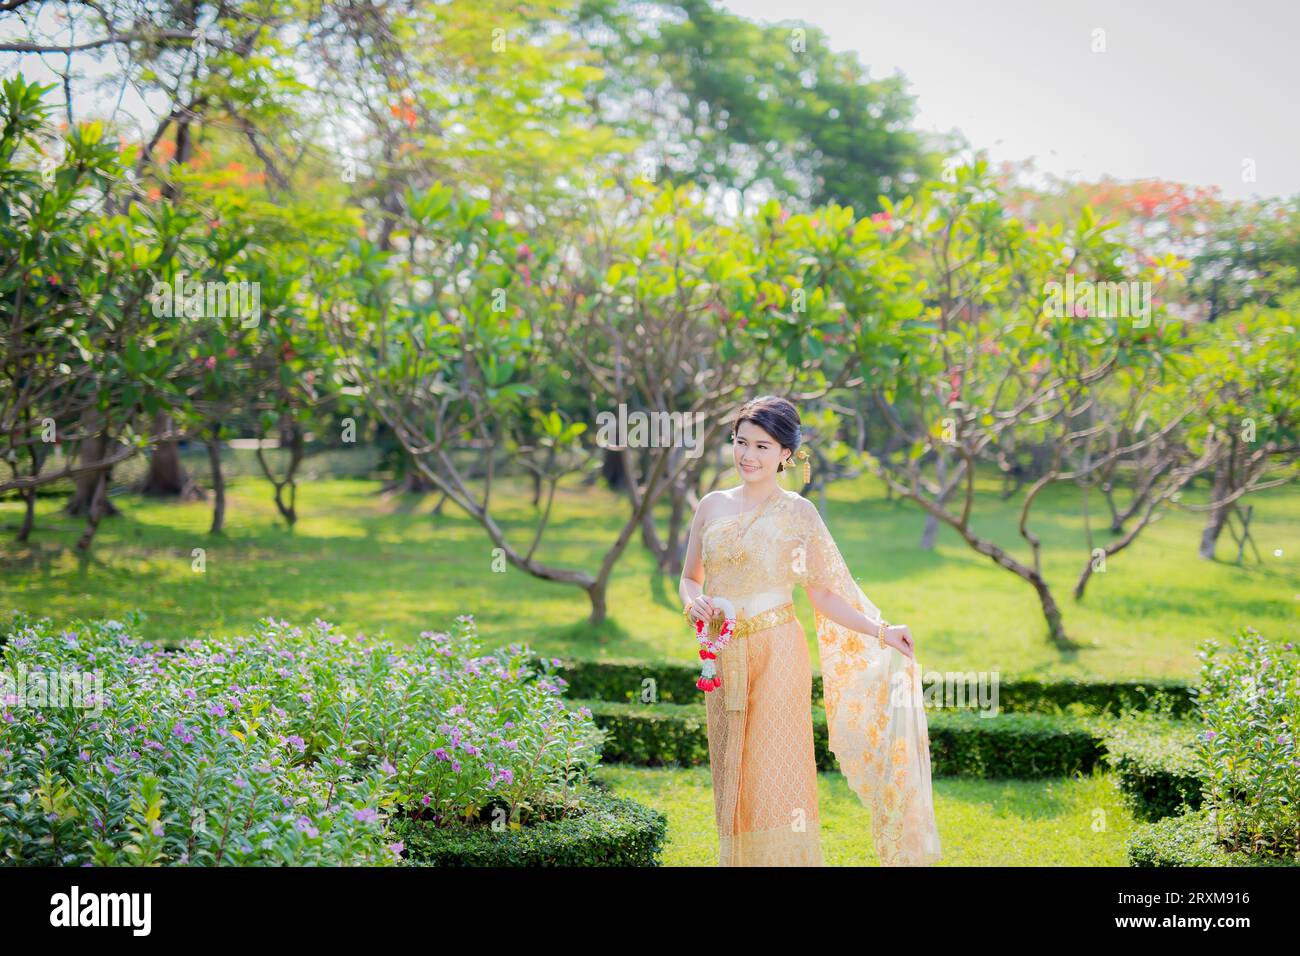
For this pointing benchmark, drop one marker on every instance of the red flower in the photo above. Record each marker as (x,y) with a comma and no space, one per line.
(210,361)
(232,352)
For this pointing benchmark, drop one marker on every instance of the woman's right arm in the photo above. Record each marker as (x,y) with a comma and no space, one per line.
(691,587)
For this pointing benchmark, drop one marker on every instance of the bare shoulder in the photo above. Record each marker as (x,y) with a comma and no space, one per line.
(709,504)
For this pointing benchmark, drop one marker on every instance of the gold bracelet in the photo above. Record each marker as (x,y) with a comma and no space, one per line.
(880,634)
(686,611)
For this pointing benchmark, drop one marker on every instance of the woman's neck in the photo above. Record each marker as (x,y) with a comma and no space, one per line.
(754,495)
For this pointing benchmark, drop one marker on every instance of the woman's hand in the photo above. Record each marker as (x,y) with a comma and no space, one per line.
(899,636)
(702,609)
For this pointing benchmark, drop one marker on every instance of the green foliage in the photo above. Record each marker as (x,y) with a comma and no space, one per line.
(629,681)
(603,830)
(1189,839)
(1249,701)
(289,746)
(78,335)
(961,743)
(1155,766)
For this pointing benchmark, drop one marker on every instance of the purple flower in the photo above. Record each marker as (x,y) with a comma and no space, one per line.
(426,799)
(216,710)
(157,828)
(84,755)
(1210,735)
(367,815)
(304,825)
(441,754)
(396,849)
(387,767)
(507,775)
(296,742)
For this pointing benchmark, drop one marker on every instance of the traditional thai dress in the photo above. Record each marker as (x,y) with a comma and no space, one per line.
(760,720)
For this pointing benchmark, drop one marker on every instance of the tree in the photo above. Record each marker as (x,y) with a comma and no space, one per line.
(79,345)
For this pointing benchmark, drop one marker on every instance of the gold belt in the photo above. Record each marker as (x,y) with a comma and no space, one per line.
(765,619)
(733,662)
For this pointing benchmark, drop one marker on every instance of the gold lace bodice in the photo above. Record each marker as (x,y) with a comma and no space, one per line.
(755,562)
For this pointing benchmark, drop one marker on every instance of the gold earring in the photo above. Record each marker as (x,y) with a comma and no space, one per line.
(807,468)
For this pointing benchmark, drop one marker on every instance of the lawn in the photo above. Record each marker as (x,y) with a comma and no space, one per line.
(374,562)
(1079,821)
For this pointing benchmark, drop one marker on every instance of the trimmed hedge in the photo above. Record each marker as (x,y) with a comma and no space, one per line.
(636,681)
(1156,768)
(650,735)
(1188,840)
(961,743)
(607,830)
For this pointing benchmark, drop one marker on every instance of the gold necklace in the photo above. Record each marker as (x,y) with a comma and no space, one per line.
(734,555)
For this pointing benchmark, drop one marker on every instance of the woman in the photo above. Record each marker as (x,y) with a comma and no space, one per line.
(752,544)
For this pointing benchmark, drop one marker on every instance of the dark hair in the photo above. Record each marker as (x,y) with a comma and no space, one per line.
(776,416)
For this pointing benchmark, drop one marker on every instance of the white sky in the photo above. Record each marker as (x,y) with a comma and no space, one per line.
(1186,90)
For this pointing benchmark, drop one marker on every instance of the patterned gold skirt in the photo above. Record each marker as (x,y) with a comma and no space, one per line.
(761,745)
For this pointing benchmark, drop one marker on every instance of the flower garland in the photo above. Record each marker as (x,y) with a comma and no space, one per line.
(710,646)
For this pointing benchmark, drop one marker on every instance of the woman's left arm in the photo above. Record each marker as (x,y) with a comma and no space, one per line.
(845,614)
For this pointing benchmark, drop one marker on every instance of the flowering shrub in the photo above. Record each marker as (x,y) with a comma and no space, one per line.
(289,746)
(1250,703)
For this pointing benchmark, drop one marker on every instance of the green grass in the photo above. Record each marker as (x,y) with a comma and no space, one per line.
(383,563)
(1079,821)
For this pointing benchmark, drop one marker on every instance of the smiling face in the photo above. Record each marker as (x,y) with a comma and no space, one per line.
(756,453)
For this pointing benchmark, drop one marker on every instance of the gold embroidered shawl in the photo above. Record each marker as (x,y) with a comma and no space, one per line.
(874,706)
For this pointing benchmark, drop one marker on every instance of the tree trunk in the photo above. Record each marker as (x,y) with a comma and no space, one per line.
(599,610)
(29,515)
(95,510)
(93,449)
(1051,613)
(218,484)
(611,469)
(29,498)
(931,530)
(166,477)
(1214,521)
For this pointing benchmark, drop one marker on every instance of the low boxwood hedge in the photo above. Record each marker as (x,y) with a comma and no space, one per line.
(1156,766)
(962,742)
(1188,839)
(635,681)
(606,830)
